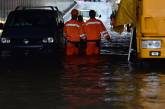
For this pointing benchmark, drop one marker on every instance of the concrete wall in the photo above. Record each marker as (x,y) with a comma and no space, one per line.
(8,5)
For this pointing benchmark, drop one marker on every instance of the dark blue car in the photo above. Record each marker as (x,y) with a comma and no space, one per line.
(38,29)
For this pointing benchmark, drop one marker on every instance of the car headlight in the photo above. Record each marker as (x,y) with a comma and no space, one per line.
(5,40)
(48,40)
(1,32)
(45,40)
(151,44)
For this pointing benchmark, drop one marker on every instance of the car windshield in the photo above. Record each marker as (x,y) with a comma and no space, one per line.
(86,13)
(32,19)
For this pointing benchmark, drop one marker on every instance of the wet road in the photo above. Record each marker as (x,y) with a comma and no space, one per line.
(80,82)
(97,82)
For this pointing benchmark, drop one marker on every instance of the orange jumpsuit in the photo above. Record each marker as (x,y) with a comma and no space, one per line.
(82,38)
(94,29)
(72,32)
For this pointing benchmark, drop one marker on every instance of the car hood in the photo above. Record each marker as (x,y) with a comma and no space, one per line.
(28,32)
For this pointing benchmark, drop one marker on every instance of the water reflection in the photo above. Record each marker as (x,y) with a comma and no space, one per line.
(152,91)
(110,82)
(94,83)
(97,82)
(80,82)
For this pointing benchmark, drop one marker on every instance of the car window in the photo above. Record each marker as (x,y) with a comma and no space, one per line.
(33,19)
(86,13)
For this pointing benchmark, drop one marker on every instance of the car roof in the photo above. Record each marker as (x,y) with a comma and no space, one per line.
(84,10)
(87,10)
(53,8)
(33,11)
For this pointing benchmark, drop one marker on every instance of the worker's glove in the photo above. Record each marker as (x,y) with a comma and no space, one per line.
(83,38)
(108,38)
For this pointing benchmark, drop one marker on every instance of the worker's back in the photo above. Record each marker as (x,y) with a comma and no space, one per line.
(93,29)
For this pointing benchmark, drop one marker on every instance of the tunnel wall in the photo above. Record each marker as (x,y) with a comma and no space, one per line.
(8,5)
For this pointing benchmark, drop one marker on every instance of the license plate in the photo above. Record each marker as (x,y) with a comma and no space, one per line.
(154,53)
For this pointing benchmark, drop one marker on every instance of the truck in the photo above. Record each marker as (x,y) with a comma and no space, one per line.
(148,30)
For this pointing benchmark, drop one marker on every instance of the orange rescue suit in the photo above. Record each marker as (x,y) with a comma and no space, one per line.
(72,32)
(94,29)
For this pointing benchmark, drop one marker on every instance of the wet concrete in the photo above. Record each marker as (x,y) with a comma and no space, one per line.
(97,82)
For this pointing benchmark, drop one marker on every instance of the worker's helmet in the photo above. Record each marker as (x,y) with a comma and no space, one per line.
(92,13)
(74,12)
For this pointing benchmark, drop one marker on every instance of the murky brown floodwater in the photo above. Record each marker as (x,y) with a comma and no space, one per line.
(105,82)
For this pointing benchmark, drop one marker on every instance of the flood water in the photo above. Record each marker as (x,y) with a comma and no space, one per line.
(80,82)
(107,81)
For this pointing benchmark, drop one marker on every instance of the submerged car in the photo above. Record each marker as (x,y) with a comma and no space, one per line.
(34,28)
(85,14)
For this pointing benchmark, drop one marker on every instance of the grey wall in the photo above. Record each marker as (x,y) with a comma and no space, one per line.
(8,5)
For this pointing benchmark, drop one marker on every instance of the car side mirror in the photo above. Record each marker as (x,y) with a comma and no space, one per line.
(100,16)
(1,26)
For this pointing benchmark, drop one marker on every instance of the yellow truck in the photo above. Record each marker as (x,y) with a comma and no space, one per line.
(148,19)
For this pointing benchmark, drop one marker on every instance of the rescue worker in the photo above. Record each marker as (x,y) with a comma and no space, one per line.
(72,33)
(94,29)
(83,36)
